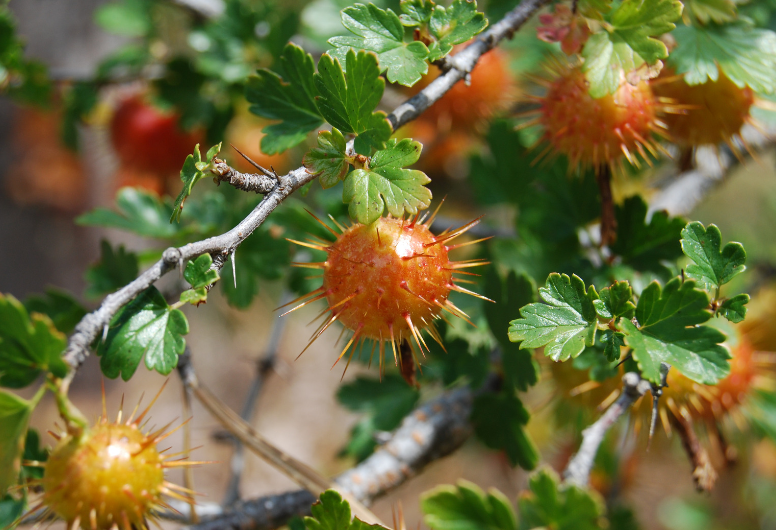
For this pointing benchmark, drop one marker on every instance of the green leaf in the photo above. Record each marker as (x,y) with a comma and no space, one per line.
(200,275)
(510,294)
(194,169)
(139,211)
(290,99)
(14,416)
(746,55)
(329,160)
(347,100)
(711,267)
(615,301)
(613,342)
(386,185)
(130,18)
(11,510)
(644,245)
(78,102)
(458,23)
(148,327)
(734,308)
(606,58)
(564,324)
(628,42)
(63,310)
(416,12)
(460,362)
(385,404)
(29,345)
(499,422)
(467,507)
(114,270)
(550,503)
(380,31)
(333,513)
(33,452)
(718,11)
(669,332)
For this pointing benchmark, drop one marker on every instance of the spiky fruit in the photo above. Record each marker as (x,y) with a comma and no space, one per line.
(596,132)
(714,111)
(107,476)
(388,281)
(110,475)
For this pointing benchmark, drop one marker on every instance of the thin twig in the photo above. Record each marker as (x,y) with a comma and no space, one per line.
(297,471)
(579,467)
(263,367)
(429,433)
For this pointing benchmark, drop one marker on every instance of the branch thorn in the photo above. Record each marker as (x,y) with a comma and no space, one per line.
(257,166)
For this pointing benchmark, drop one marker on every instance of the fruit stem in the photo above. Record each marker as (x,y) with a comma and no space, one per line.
(74,419)
(603,177)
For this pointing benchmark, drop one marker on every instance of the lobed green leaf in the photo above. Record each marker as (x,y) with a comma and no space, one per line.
(114,270)
(466,507)
(329,160)
(711,267)
(14,416)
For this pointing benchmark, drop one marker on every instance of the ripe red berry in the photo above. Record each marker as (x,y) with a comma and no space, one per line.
(148,139)
(388,281)
(714,112)
(597,132)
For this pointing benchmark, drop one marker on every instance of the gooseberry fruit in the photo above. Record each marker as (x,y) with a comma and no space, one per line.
(714,112)
(388,281)
(148,139)
(598,132)
(465,107)
(110,475)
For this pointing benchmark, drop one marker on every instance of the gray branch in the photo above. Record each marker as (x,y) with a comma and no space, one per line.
(578,470)
(262,184)
(430,432)
(92,325)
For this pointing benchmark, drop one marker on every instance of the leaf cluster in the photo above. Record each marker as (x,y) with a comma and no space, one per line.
(664,323)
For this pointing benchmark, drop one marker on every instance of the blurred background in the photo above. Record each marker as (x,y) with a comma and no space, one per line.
(61,160)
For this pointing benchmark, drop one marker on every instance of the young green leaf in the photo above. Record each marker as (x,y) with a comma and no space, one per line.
(385,404)
(456,24)
(549,503)
(387,185)
(747,55)
(615,301)
(333,513)
(139,211)
(114,270)
(29,345)
(130,18)
(734,308)
(194,169)
(14,416)
(466,507)
(290,100)
(381,31)
(148,327)
(499,422)
(347,100)
(644,245)
(564,324)
(628,42)
(668,331)
(63,310)
(711,268)
(200,276)
(329,160)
